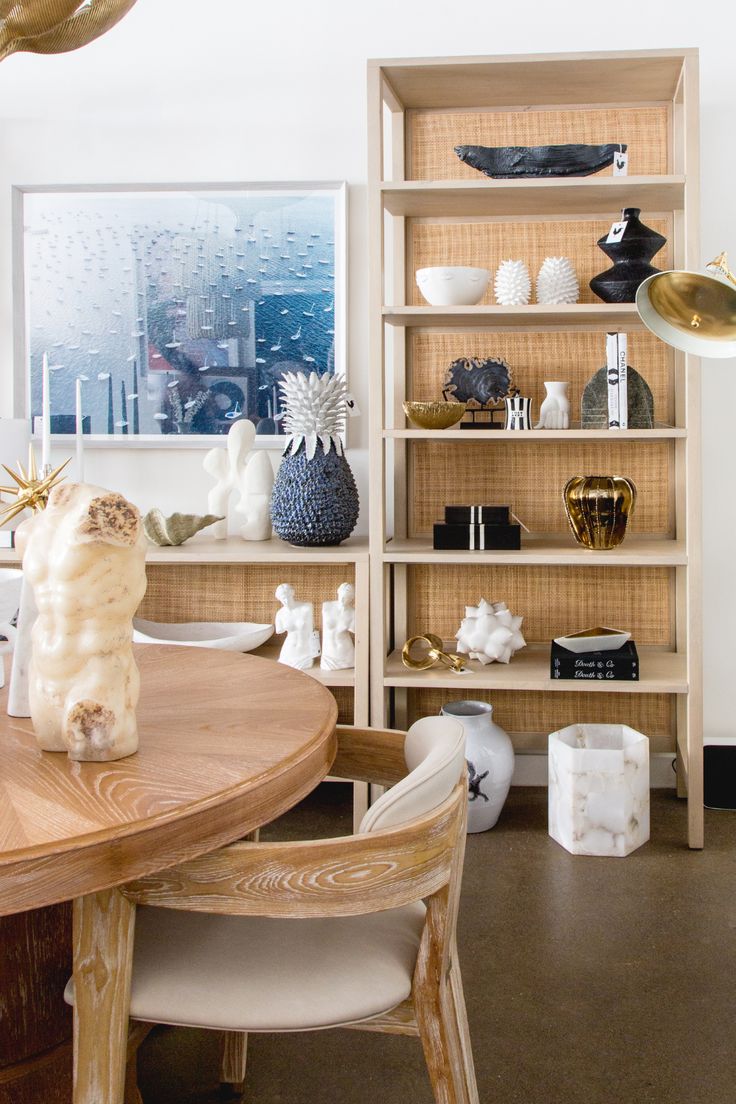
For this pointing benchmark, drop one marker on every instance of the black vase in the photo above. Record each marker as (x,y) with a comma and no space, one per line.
(631,256)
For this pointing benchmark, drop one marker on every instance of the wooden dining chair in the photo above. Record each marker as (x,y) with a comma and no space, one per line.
(355,931)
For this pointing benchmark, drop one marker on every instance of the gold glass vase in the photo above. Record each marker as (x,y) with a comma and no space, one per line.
(598,508)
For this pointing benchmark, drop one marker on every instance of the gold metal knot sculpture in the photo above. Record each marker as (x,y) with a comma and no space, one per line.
(433,653)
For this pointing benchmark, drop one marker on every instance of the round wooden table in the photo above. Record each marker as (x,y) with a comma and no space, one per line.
(228,742)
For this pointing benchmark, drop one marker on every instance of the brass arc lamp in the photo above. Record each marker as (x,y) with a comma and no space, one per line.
(692,311)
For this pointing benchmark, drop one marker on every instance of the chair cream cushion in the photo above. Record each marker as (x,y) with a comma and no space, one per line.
(252,974)
(434,751)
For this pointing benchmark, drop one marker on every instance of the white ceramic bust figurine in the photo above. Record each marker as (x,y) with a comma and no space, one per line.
(338,623)
(254,484)
(226,466)
(296,619)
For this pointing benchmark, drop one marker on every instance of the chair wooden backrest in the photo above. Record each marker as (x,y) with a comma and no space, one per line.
(409,859)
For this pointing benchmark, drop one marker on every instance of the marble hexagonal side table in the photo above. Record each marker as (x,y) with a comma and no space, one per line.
(599,789)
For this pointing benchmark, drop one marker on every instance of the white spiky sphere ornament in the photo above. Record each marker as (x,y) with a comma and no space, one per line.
(512,284)
(490,633)
(557,282)
(314,410)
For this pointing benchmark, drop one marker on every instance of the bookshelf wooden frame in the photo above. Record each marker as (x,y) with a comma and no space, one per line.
(397,91)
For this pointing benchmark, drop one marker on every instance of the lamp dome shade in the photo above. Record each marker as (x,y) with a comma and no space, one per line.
(690,311)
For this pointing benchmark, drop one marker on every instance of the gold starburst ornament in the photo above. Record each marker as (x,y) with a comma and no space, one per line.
(31,491)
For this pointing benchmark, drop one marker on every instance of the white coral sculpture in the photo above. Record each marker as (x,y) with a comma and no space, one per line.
(512,284)
(315,410)
(489,632)
(557,282)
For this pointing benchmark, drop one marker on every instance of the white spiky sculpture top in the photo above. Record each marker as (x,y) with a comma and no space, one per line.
(512,285)
(489,631)
(315,410)
(557,282)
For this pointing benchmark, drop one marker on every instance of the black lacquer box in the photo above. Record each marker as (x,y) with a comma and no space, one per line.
(477,515)
(621,665)
(477,538)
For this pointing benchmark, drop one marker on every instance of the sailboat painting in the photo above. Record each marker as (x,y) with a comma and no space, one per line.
(182,307)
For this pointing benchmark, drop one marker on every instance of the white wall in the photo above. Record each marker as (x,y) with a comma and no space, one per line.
(229,90)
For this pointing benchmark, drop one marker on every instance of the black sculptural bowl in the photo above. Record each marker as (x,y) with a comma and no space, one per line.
(508,162)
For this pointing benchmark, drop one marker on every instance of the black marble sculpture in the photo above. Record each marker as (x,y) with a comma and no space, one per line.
(594,403)
(478,380)
(504,162)
(631,255)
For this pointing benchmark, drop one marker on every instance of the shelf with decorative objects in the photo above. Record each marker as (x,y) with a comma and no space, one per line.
(439,231)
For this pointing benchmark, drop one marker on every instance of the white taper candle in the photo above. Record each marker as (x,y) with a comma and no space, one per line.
(79,424)
(45,415)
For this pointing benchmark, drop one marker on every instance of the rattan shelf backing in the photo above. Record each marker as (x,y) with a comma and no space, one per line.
(434,134)
(531,479)
(486,244)
(552,600)
(234,592)
(539,713)
(536,357)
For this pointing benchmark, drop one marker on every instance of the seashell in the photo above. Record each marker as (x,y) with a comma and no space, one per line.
(176,528)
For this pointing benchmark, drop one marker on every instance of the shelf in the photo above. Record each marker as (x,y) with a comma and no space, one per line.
(233,551)
(658,433)
(591,195)
(661,673)
(272,648)
(628,77)
(545,548)
(611,316)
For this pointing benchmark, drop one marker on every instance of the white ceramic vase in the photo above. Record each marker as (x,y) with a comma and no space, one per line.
(490,758)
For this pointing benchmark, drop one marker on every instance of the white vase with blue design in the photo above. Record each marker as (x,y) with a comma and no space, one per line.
(314,499)
(490,757)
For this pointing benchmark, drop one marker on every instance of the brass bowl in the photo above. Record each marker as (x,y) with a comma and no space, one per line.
(434,415)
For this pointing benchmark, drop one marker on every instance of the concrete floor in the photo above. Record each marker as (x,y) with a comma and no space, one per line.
(588,981)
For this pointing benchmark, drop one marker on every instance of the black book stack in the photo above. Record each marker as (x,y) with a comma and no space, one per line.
(621,665)
(477,528)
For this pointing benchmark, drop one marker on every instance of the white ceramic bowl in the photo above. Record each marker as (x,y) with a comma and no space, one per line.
(600,639)
(229,636)
(454,286)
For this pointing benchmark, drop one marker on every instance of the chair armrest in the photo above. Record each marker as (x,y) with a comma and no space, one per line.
(369,755)
(347,876)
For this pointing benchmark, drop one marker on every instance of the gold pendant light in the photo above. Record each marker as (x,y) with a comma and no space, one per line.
(692,311)
(56,26)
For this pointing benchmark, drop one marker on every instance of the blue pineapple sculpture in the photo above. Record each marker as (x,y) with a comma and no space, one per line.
(314,499)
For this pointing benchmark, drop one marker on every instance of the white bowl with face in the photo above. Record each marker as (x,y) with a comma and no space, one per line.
(228,636)
(453,286)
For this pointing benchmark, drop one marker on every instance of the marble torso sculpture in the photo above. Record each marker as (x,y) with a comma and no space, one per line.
(338,623)
(226,466)
(84,556)
(296,619)
(489,632)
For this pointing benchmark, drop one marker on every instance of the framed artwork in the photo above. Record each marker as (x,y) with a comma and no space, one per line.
(178,307)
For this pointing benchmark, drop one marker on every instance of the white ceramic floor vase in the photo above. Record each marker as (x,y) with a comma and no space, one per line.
(490,757)
(18,703)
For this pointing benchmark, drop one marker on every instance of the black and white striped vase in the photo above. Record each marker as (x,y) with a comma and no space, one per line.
(518,412)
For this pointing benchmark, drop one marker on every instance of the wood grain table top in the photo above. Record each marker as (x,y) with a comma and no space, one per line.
(227,743)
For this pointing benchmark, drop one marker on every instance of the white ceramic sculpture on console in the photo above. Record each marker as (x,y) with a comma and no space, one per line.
(255,484)
(489,632)
(490,757)
(599,789)
(554,412)
(512,285)
(296,619)
(557,282)
(11,581)
(84,556)
(338,625)
(226,466)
